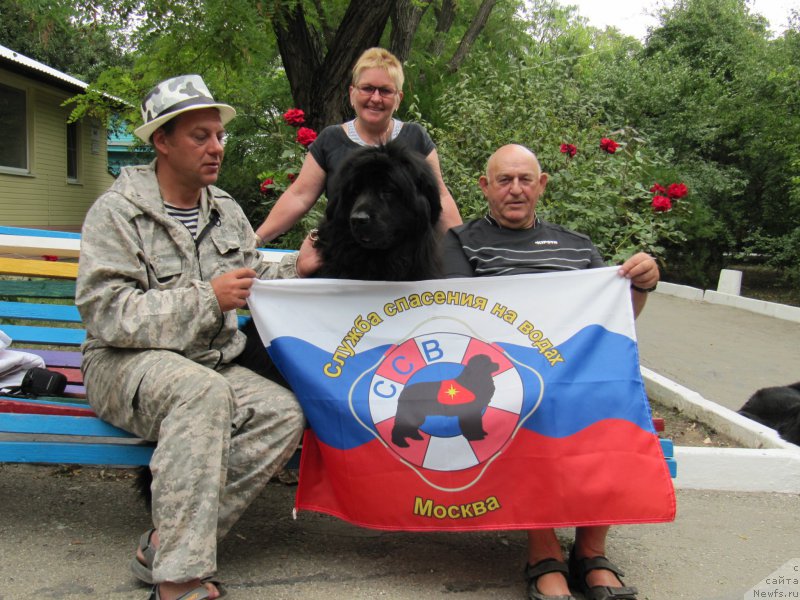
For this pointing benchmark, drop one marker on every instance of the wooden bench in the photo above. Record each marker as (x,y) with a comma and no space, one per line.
(66,429)
(52,429)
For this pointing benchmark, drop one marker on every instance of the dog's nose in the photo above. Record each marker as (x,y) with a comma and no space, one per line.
(359,218)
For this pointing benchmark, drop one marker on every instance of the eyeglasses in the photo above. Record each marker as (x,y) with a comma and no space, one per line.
(368,90)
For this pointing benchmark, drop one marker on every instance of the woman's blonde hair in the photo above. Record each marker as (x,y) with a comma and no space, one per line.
(379,58)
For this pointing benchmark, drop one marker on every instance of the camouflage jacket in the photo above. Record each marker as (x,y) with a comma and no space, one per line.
(143,281)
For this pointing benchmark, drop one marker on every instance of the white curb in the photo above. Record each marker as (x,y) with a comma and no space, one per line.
(738,469)
(767,463)
(762,307)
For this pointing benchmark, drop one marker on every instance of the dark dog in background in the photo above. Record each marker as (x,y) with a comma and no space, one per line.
(778,408)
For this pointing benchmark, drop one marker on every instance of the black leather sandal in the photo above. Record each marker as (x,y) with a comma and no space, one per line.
(579,567)
(533,572)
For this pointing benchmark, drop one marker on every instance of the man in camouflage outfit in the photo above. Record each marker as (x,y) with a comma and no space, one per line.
(166,259)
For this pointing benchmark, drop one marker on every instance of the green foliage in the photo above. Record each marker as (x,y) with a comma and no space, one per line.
(288,155)
(710,100)
(605,196)
(780,252)
(50,32)
(711,85)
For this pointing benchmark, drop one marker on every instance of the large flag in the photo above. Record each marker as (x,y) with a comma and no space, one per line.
(457,404)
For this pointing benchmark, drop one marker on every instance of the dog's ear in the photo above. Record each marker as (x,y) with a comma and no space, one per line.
(428,187)
(422,176)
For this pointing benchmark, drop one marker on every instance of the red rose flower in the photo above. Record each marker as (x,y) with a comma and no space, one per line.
(305,136)
(294,117)
(657,189)
(608,145)
(291,176)
(569,149)
(266,186)
(677,190)
(661,204)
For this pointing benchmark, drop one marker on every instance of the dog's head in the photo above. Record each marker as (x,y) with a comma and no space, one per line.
(386,195)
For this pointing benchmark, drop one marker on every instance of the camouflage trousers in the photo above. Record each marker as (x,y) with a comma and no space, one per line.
(220,436)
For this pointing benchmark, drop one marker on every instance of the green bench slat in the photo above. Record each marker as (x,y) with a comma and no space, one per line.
(65,313)
(51,400)
(31,334)
(37,288)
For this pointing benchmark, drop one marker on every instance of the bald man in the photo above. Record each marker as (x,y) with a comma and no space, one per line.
(511,240)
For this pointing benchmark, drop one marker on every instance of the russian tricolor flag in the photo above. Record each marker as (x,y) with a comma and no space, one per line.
(458,404)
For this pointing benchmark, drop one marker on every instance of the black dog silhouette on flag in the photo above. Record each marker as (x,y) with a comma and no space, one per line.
(465,397)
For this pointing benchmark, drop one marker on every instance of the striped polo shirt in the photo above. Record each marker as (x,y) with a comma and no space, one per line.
(483,248)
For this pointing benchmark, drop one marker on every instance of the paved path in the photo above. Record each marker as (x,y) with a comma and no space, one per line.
(723,353)
(70,537)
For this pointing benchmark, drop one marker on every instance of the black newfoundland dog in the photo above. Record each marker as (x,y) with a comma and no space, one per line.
(380,222)
(379,225)
(778,408)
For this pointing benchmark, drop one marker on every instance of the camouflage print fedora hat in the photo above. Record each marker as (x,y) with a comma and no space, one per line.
(174,96)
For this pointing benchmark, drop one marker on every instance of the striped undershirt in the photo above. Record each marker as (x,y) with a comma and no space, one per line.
(187,216)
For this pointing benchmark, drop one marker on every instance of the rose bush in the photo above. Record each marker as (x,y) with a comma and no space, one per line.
(608,145)
(602,194)
(661,204)
(294,117)
(293,140)
(569,149)
(267,186)
(611,200)
(677,190)
(305,136)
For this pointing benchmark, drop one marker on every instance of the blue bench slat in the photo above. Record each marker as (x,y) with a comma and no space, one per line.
(66,313)
(82,454)
(30,334)
(672,465)
(59,425)
(668,448)
(5,230)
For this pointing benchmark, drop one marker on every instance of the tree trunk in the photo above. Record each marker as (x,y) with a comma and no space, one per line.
(319,80)
(445,16)
(471,35)
(405,20)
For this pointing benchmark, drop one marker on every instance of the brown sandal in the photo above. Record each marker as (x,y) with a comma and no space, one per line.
(533,572)
(578,569)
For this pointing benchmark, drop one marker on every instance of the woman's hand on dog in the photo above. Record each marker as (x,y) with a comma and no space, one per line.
(308,258)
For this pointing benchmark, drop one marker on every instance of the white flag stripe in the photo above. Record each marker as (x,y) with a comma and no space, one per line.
(329,312)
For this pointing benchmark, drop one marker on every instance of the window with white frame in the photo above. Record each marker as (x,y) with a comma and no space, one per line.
(14,125)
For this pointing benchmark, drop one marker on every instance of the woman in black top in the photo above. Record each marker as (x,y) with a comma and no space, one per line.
(375,94)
